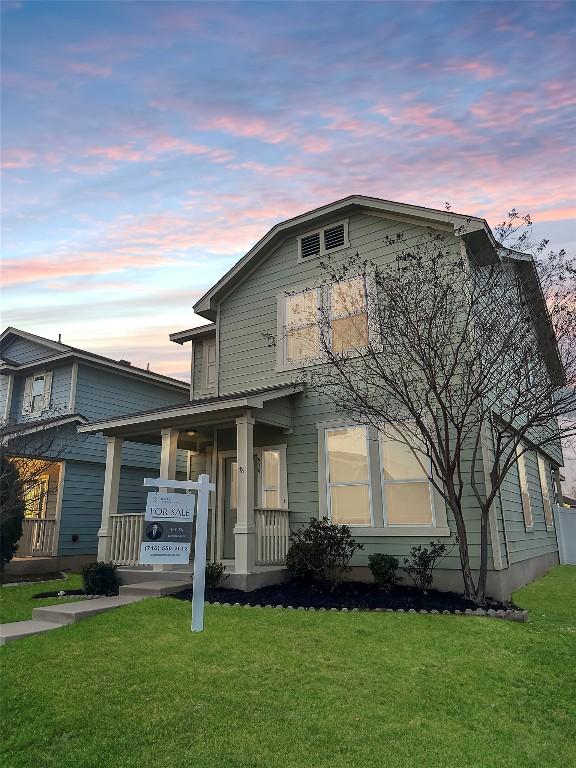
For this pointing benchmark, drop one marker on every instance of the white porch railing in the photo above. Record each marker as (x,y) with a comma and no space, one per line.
(272,531)
(37,538)
(126,535)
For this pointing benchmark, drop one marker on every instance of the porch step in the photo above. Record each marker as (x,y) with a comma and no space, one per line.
(18,629)
(155,588)
(129,575)
(70,613)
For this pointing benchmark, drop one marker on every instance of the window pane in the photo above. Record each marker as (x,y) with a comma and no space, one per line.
(303,343)
(38,386)
(302,309)
(350,505)
(407,504)
(399,462)
(233,485)
(270,499)
(348,297)
(212,353)
(350,333)
(211,373)
(270,468)
(347,455)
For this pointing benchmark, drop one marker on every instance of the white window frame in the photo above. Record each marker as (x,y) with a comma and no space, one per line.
(323,251)
(524,488)
(28,396)
(282,362)
(282,476)
(330,484)
(327,303)
(208,343)
(384,483)
(543,468)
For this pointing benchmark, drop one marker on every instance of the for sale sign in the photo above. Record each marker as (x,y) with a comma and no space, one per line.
(167,533)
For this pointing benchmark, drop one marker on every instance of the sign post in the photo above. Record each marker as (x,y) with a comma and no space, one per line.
(168,532)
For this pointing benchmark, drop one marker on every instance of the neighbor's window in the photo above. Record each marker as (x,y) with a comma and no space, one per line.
(348,476)
(543,473)
(523,480)
(302,326)
(349,315)
(210,363)
(37,401)
(270,471)
(406,488)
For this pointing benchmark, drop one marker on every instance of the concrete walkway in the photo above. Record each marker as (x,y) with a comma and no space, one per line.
(50,617)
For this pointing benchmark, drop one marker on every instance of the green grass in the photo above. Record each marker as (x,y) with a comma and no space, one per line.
(262,688)
(17,603)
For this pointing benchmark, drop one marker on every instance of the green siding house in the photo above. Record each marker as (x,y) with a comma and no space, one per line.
(279,453)
(46,390)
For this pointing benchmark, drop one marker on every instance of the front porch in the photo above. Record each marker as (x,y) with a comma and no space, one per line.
(239,441)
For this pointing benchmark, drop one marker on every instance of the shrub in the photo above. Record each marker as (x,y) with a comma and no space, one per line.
(423,562)
(100,579)
(383,569)
(12,507)
(215,574)
(321,552)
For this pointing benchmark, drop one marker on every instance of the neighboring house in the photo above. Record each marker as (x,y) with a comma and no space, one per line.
(46,389)
(281,455)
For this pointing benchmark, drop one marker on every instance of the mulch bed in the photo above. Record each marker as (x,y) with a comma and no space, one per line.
(349,595)
(31,579)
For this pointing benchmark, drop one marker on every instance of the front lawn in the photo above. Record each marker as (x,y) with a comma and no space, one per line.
(264,688)
(17,602)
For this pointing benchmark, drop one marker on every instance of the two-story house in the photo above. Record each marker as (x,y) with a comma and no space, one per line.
(279,453)
(47,389)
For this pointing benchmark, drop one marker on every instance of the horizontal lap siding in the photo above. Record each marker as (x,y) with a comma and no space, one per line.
(81,508)
(23,351)
(102,394)
(523,544)
(247,360)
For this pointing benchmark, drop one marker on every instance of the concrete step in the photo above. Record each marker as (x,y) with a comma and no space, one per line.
(18,629)
(155,588)
(70,613)
(131,575)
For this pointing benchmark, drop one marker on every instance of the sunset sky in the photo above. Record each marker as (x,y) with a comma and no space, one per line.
(148,145)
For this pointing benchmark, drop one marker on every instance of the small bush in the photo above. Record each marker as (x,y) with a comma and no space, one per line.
(423,562)
(100,579)
(321,552)
(215,574)
(12,506)
(383,569)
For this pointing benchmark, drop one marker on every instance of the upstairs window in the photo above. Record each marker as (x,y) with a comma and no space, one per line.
(37,390)
(302,326)
(210,351)
(524,491)
(545,488)
(348,315)
(323,241)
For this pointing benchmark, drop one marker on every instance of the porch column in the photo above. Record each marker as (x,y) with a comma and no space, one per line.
(110,498)
(245,529)
(167,469)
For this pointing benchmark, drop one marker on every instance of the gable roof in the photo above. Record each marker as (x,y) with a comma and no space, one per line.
(206,305)
(57,351)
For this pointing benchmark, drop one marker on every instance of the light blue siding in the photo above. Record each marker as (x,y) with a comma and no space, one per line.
(23,351)
(81,508)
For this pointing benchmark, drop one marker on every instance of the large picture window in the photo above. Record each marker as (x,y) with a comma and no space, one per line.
(407,497)
(348,476)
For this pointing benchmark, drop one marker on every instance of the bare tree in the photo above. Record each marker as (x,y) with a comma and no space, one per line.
(468,360)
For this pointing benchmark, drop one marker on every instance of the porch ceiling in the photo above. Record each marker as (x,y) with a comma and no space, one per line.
(200,416)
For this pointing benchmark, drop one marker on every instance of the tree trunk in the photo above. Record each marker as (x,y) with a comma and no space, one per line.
(470,590)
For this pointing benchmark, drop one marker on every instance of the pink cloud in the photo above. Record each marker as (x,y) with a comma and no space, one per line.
(86,68)
(18,158)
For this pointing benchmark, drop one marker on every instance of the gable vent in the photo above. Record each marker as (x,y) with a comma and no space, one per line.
(334,237)
(310,245)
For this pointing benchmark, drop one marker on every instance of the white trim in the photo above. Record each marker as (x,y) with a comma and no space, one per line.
(73,387)
(282,475)
(192,365)
(400,530)
(545,491)
(524,489)
(9,394)
(320,232)
(59,500)
(492,514)
(181,337)
(282,362)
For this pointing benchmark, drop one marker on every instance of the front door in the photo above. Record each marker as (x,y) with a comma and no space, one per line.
(230,507)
